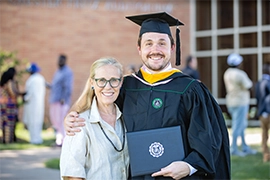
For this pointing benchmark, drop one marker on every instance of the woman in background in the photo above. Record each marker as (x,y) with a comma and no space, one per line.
(8,105)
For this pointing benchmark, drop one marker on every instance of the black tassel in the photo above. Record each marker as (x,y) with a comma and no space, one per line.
(178,50)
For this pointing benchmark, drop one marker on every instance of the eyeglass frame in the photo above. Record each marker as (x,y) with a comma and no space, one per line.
(119,79)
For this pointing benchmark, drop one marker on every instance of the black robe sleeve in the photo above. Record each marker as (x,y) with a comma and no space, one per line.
(206,134)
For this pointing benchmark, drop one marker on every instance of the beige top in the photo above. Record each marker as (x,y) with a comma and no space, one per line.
(90,155)
(237,85)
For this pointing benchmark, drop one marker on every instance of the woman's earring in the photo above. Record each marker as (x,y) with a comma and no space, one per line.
(93,87)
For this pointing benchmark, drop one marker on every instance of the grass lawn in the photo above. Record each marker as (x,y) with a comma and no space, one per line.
(250,167)
(23,139)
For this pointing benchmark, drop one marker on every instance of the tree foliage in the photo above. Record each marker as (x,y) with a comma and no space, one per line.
(9,59)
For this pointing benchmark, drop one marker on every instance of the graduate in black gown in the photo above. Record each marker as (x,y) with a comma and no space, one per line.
(191,67)
(159,96)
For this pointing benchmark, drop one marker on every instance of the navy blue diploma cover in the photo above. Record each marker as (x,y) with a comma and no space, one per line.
(151,150)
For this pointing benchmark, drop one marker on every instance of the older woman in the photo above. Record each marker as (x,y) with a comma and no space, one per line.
(100,150)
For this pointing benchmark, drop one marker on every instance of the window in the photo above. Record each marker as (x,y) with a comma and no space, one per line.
(248,40)
(265,12)
(204,43)
(222,67)
(204,68)
(250,66)
(225,14)
(225,42)
(266,39)
(203,20)
(266,58)
(247,13)
(223,27)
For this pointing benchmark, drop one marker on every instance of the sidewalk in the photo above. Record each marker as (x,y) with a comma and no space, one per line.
(251,138)
(28,164)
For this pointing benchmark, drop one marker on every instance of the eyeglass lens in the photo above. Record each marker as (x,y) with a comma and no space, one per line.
(102,82)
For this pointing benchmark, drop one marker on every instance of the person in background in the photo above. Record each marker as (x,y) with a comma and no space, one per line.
(160,96)
(263,103)
(100,150)
(9,92)
(34,106)
(238,84)
(191,67)
(60,97)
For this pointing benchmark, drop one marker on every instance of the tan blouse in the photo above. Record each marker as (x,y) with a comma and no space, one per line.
(90,155)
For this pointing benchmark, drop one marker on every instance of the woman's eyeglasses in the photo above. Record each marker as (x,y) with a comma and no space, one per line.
(102,82)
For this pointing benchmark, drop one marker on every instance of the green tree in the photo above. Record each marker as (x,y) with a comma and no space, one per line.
(9,59)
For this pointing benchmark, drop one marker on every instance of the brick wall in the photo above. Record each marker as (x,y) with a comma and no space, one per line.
(84,30)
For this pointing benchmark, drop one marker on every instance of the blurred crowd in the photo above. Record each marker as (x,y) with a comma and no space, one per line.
(33,98)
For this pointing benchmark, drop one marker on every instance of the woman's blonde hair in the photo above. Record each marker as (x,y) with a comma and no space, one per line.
(85,100)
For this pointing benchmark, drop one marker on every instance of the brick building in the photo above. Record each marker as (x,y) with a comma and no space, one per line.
(84,30)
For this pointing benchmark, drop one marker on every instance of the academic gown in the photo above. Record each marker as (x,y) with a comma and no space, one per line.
(180,100)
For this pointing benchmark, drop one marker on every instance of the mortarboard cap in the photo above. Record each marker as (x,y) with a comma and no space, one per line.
(160,23)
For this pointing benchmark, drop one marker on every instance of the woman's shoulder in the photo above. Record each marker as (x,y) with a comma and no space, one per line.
(84,114)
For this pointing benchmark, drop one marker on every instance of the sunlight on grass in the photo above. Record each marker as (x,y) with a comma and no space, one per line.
(53,163)
(23,138)
(24,133)
(250,167)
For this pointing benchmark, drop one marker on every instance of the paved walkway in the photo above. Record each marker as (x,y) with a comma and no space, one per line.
(28,164)
(250,139)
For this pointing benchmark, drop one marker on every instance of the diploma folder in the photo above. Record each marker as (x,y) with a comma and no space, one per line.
(151,150)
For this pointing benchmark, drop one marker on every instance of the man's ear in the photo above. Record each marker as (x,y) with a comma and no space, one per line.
(173,47)
(139,50)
